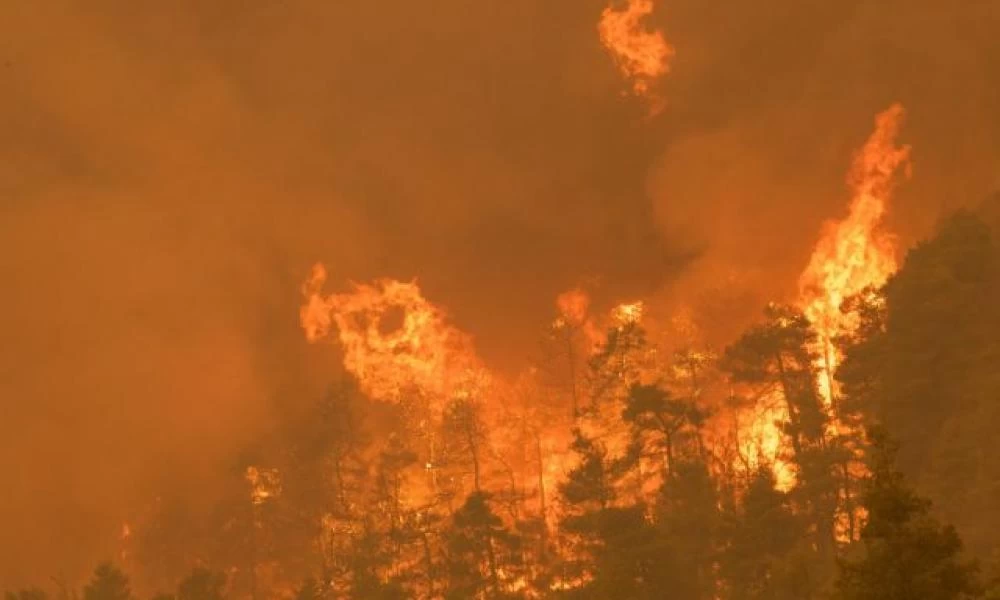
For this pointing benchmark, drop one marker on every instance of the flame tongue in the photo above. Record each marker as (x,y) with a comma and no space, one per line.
(392,337)
(642,56)
(855,253)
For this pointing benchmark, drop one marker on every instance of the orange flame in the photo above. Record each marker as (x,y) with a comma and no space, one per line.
(760,440)
(573,307)
(264,484)
(627,314)
(392,337)
(855,253)
(642,56)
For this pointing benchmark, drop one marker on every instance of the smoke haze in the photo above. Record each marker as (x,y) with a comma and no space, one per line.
(169,174)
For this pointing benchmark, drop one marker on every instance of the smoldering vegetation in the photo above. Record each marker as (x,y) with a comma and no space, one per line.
(168,176)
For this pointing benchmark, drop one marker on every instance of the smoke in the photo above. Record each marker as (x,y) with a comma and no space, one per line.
(169,174)
(769,106)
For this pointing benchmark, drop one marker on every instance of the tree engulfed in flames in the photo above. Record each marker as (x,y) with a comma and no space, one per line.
(264,484)
(391,336)
(642,56)
(394,340)
(628,314)
(573,307)
(855,253)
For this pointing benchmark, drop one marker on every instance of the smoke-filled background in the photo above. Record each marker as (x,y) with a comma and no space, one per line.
(168,174)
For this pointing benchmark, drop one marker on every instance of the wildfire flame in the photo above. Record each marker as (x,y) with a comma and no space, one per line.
(642,56)
(627,314)
(573,307)
(264,484)
(392,337)
(124,538)
(855,253)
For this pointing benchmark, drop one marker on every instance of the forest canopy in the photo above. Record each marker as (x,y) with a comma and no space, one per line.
(607,473)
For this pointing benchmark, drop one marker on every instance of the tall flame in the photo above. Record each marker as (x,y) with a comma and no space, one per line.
(642,56)
(855,253)
(392,337)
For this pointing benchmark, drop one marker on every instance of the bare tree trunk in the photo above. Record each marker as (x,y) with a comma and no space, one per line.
(571,357)
(474,452)
(429,562)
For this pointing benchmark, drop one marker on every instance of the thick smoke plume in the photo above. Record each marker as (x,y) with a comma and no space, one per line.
(169,172)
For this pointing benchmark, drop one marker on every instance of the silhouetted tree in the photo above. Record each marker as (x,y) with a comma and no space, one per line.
(615,549)
(107,583)
(662,423)
(465,435)
(689,522)
(775,356)
(764,539)
(478,547)
(202,584)
(923,364)
(907,553)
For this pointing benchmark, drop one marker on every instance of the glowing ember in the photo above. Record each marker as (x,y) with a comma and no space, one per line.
(627,314)
(392,337)
(642,56)
(124,538)
(855,253)
(573,306)
(264,484)
(574,317)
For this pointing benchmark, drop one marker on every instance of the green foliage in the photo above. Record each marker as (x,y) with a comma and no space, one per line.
(924,365)
(108,583)
(478,548)
(615,364)
(663,425)
(450,497)
(619,552)
(202,584)
(689,522)
(908,554)
(764,555)
(776,356)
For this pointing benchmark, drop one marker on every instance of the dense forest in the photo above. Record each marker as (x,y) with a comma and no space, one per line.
(606,472)
(521,299)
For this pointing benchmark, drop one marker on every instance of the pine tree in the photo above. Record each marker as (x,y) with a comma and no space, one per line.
(479,551)
(689,522)
(616,549)
(923,363)
(763,556)
(108,583)
(464,437)
(202,584)
(907,553)
(776,355)
(662,425)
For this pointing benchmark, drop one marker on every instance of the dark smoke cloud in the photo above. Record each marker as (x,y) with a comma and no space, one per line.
(169,173)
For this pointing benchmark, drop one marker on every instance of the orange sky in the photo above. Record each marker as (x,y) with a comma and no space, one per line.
(169,174)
